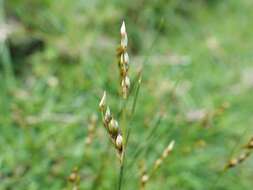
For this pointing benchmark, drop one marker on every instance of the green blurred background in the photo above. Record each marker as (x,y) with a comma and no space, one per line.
(57,57)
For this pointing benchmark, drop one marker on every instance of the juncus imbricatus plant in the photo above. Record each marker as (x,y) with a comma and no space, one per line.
(115,125)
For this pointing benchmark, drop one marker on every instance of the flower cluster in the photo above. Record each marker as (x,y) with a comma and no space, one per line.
(91,129)
(242,157)
(74,179)
(144,176)
(164,155)
(112,127)
(123,61)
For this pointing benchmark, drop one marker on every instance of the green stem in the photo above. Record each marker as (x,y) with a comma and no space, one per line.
(5,54)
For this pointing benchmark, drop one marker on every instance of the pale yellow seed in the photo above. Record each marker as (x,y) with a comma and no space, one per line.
(119,141)
(144,178)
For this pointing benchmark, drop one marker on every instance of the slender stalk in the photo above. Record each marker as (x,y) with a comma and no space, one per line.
(121,172)
(136,95)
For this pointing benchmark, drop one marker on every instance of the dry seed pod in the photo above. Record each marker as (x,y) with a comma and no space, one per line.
(113,127)
(119,147)
(119,142)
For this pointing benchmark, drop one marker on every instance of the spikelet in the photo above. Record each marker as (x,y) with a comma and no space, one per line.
(164,155)
(119,141)
(123,62)
(242,157)
(236,161)
(91,129)
(102,102)
(107,116)
(112,127)
(123,33)
(249,145)
(144,176)
(74,179)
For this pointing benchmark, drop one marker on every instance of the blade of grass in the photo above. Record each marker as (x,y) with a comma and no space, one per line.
(136,96)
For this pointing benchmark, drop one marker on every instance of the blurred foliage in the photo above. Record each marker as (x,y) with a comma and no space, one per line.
(197,59)
(45,18)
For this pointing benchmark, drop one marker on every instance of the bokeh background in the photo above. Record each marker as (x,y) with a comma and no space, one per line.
(57,57)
